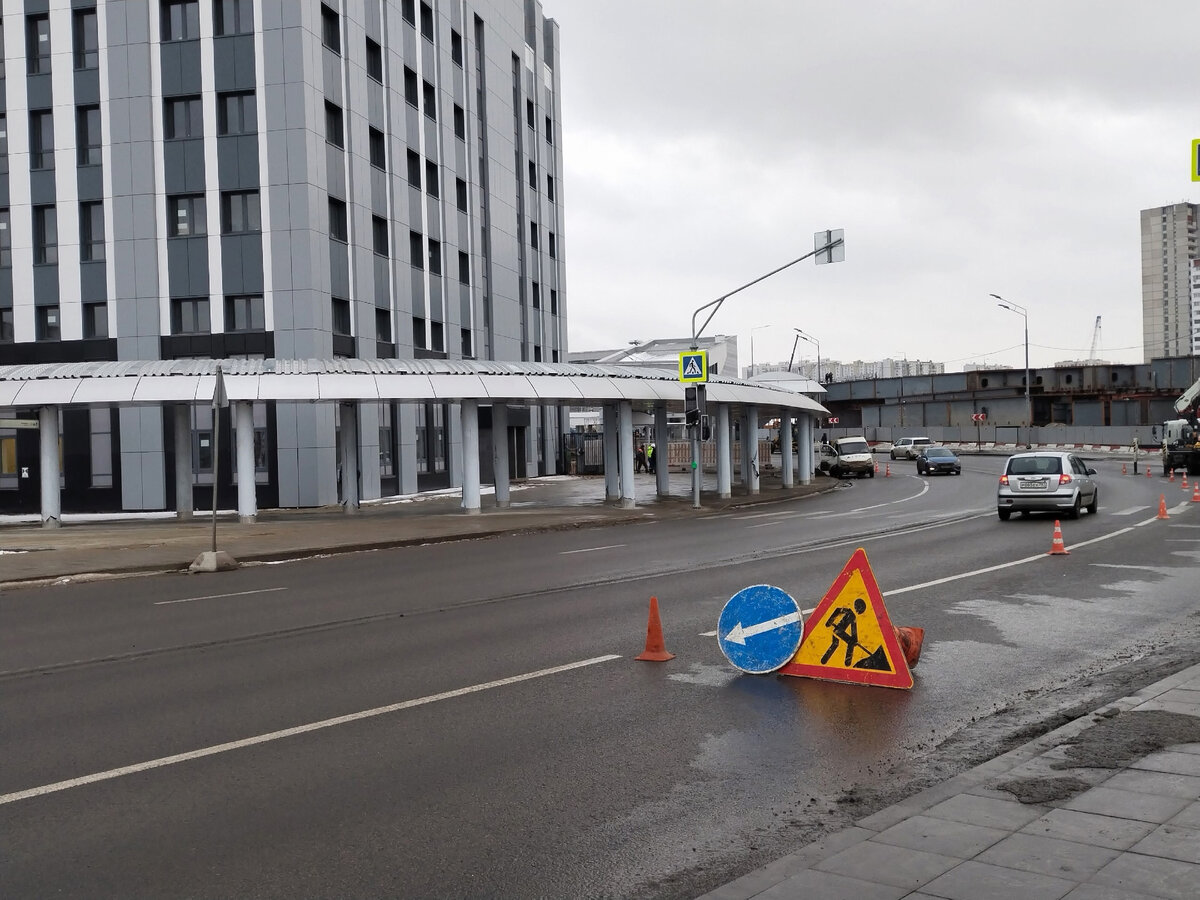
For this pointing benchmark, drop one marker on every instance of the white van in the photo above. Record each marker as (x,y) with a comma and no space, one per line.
(847,456)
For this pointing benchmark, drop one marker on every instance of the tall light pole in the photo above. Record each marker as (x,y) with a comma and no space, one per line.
(811,340)
(1024,314)
(752,330)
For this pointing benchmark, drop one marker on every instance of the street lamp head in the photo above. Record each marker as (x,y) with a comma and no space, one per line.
(997,296)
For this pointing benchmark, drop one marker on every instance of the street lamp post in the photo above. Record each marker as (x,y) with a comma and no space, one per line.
(811,340)
(1024,314)
(752,330)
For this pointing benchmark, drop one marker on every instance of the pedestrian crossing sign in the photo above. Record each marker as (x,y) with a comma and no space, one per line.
(693,366)
(849,636)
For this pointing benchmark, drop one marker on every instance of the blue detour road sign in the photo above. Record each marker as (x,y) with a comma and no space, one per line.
(759,629)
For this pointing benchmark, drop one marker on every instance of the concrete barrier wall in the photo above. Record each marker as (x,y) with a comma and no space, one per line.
(1095,435)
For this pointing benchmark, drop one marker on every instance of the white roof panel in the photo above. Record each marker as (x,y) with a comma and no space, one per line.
(287,387)
(105,390)
(347,386)
(46,390)
(555,387)
(171,388)
(457,387)
(240,387)
(9,391)
(516,387)
(403,387)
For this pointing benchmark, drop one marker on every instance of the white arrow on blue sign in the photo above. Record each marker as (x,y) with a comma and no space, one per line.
(760,628)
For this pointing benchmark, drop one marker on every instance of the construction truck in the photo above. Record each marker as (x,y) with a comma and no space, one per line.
(1181,437)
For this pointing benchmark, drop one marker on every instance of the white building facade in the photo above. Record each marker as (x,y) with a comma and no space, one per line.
(1170,247)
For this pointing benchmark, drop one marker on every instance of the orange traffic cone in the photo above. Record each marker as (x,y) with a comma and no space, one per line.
(1183,484)
(876,468)
(1148,475)
(1171,476)
(656,650)
(1162,507)
(1196,492)
(1057,547)
(910,640)
(888,471)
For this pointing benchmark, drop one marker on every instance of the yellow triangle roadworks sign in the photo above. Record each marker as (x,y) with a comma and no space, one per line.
(849,636)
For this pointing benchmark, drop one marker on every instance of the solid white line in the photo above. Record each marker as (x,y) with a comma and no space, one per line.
(1130,511)
(291,732)
(1119,566)
(776,522)
(590,549)
(767,515)
(219,596)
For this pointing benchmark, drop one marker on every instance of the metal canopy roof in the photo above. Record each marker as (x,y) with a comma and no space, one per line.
(193,380)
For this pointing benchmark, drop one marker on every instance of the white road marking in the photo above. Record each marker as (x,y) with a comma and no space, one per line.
(590,549)
(1119,566)
(776,522)
(1130,511)
(767,515)
(1181,541)
(219,596)
(290,732)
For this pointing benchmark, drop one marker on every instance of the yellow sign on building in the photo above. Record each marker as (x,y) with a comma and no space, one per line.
(1196,160)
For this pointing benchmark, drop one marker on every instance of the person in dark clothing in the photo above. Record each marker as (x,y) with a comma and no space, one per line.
(639,460)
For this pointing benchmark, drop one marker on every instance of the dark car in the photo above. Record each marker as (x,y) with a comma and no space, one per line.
(938,460)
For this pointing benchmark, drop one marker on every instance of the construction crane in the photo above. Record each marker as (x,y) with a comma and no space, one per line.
(1095,341)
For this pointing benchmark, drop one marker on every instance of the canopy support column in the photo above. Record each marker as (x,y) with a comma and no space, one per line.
(48,469)
(469,414)
(247,501)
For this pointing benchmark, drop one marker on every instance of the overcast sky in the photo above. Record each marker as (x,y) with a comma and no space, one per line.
(967,148)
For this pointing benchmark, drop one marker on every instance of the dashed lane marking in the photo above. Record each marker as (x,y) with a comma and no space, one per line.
(590,549)
(219,596)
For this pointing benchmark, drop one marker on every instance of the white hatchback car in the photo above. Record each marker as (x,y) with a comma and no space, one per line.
(1046,481)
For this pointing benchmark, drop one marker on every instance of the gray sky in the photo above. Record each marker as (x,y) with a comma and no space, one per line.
(966,148)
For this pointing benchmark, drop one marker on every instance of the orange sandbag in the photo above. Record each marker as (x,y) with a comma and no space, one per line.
(910,640)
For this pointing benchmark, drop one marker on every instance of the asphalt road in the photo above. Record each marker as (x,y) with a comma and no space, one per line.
(467,719)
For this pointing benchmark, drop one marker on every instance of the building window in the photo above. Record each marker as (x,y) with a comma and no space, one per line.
(334,127)
(460,193)
(411,90)
(95,320)
(466,343)
(378,148)
(180,20)
(433,182)
(553,245)
(7,335)
(87,41)
(331,30)
(101,431)
(408,9)
(91,231)
(426,21)
(537,296)
(549,131)
(240,212)
(41,139)
(414,169)
(460,123)
(430,100)
(379,235)
(245,314)
(550,188)
(530,115)
(337,220)
(533,235)
(237,113)
(416,250)
(47,324)
(186,215)
(88,143)
(183,117)
(37,33)
(3,139)
(375,60)
(553,302)
(456,48)
(383,325)
(435,257)
(45,235)
(464,267)
(533,174)
(189,315)
(5,240)
(420,342)
(341,316)
(233,17)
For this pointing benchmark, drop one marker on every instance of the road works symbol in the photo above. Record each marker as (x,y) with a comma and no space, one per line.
(849,636)
(759,629)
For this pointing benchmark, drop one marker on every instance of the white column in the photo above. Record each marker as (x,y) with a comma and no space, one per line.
(752,444)
(247,501)
(500,453)
(662,442)
(625,415)
(48,469)
(469,414)
(785,446)
(183,461)
(550,439)
(348,435)
(805,440)
(612,484)
(724,453)
(744,429)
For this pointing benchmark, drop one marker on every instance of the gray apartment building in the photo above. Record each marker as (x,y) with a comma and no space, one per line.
(1170,245)
(276,179)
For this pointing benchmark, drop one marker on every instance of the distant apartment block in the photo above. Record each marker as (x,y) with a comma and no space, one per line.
(1170,247)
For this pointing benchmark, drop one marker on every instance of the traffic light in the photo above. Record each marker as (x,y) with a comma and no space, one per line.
(705,428)
(692,417)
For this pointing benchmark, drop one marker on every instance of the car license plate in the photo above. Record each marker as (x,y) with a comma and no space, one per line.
(1035,484)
